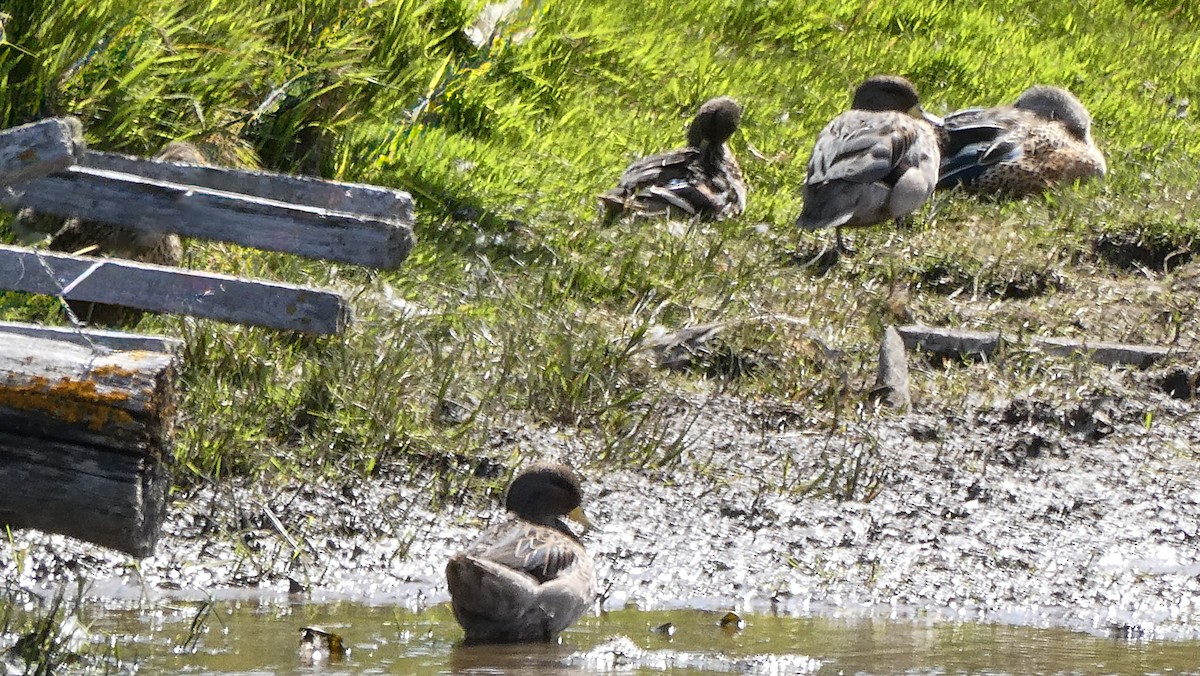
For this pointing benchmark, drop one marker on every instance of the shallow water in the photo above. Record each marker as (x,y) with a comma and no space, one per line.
(262,638)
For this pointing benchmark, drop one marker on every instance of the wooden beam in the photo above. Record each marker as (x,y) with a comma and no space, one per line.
(953,343)
(157,206)
(959,343)
(35,150)
(1109,354)
(351,198)
(59,390)
(159,288)
(107,340)
(85,437)
(111,499)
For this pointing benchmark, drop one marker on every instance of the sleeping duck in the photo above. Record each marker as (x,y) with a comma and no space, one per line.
(1041,141)
(702,180)
(528,578)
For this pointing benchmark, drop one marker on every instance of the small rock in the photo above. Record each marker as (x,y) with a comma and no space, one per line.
(891,379)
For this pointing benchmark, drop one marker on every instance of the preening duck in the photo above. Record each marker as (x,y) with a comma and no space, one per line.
(702,180)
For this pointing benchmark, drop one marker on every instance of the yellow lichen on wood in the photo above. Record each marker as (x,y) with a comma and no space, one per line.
(112,370)
(72,401)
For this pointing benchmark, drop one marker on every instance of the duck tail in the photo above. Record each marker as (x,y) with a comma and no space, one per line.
(809,219)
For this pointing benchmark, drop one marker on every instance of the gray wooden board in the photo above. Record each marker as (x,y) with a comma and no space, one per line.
(35,150)
(353,198)
(1108,354)
(963,343)
(110,499)
(159,288)
(55,389)
(161,206)
(116,341)
(949,342)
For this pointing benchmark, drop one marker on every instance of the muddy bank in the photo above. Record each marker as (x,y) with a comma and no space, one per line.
(1072,508)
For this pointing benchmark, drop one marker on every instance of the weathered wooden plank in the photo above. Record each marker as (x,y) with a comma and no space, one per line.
(111,499)
(962,343)
(952,343)
(352,198)
(52,389)
(161,206)
(165,289)
(1109,354)
(35,150)
(105,340)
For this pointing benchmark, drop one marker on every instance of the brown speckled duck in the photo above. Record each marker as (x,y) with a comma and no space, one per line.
(126,242)
(702,180)
(1041,141)
(873,163)
(528,578)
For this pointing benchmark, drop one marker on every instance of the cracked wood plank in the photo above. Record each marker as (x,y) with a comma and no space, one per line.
(96,338)
(352,198)
(962,343)
(158,288)
(159,206)
(85,437)
(113,500)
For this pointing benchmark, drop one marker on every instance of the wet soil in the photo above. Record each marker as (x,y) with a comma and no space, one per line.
(1076,507)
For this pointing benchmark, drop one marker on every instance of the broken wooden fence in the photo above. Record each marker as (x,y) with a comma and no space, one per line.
(86,416)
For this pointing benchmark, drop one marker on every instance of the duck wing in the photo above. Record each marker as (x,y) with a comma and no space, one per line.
(541,552)
(863,147)
(977,139)
(687,180)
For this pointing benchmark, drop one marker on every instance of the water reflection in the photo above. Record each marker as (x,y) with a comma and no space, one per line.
(534,658)
(261,637)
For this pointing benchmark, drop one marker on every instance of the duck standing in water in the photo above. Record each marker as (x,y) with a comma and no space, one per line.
(702,180)
(1041,141)
(873,163)
(528,578)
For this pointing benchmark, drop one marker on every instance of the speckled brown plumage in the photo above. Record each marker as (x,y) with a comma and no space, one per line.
(1040,142)
(701,180)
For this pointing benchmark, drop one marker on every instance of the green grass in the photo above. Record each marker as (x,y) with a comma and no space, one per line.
(516,302)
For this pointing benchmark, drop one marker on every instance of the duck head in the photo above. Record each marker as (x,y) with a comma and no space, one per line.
(543,492)
(892,92)
(1056,103)
(715,122)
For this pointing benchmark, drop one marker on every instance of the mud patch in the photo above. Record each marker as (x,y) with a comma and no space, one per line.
(1137,249)
(1180,383)
(1092,419)
(1061,501)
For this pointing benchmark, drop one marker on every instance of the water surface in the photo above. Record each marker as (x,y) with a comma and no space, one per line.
(262,637)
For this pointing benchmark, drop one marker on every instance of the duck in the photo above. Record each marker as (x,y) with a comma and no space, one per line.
(702,180)
(876,162)
(528,578)
(1041,141)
